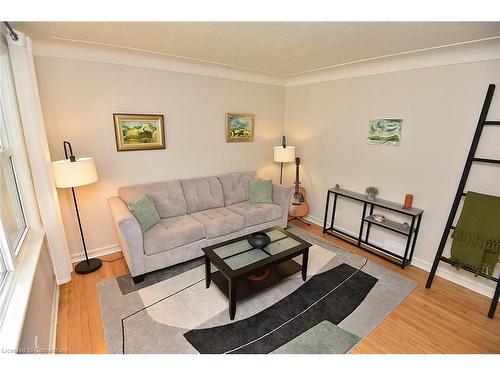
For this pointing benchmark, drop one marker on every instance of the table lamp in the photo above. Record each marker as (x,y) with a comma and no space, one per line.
(283,154)
(70,173)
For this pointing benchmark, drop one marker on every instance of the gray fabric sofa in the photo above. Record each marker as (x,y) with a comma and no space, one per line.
(193,213)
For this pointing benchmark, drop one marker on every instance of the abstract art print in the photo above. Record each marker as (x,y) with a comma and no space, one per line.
(139,132)
(239,127)
(384,132)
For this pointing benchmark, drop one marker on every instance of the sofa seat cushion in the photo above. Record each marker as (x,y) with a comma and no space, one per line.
(172,232)
(219,221)
(257,213)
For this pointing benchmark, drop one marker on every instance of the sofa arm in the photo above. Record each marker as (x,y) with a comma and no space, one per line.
(129,235)
(281,196)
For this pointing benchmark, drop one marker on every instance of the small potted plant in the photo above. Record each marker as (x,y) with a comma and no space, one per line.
(372,191)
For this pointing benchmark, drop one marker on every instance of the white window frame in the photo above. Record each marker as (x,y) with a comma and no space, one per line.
(7,154)
(14,258)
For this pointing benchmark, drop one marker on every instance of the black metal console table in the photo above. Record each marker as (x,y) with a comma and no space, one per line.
(411,231)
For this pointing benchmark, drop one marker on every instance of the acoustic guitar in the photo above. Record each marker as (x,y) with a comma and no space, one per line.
(298,206)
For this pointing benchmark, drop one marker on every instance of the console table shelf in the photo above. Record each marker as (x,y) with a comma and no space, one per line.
(410,231)
(389,224)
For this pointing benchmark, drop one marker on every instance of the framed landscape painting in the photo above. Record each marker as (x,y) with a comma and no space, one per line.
(139,132)
(384,132)
(239,127)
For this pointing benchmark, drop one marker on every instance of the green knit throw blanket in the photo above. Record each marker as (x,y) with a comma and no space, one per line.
(476,238)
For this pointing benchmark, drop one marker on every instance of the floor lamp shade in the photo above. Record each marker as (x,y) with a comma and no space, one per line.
(71,174)
(284,154)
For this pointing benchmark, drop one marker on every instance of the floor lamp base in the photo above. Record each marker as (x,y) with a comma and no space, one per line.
(88,266)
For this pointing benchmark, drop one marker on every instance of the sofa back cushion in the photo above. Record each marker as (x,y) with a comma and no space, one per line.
(236,186)
(167,197)
(202,193)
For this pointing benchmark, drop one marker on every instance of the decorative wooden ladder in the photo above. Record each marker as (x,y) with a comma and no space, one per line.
(471,158)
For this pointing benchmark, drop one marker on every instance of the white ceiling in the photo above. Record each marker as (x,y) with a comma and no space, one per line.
(282,48)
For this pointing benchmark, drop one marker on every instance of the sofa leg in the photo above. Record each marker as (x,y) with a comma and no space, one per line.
(138,279)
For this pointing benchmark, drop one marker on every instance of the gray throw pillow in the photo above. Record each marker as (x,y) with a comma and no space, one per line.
(145,212)
(261,191)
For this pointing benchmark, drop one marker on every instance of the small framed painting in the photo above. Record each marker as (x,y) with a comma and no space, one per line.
(384,132)
(239,127)
(139,132)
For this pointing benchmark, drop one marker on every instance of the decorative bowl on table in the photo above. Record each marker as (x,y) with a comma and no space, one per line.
(259,240)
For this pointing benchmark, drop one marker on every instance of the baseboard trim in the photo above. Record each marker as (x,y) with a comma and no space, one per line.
(448,274)
(100,251)
(53,320)
(454,276)
(63,280)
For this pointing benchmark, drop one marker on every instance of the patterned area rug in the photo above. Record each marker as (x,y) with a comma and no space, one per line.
(344,298)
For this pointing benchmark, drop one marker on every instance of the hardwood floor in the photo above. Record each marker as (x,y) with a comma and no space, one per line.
(79,325)
(445,319)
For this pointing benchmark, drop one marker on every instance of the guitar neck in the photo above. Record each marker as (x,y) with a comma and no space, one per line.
(297,182)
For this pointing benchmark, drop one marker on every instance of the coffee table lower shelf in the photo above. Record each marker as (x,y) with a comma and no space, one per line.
(247,287)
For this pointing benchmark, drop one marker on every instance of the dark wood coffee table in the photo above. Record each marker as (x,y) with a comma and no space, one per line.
(236,260)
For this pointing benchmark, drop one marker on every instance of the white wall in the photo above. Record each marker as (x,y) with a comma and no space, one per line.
(328,122)
(39,323)
(79,99)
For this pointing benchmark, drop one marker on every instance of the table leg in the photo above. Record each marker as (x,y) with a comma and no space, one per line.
(305,257)
(334,208)
(362,224)
(232,299)
(415,238)
(369,225)
(326,210)
(208,273)
(410,235)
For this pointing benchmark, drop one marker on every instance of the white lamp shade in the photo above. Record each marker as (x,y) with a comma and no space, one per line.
(284,154)
(72,174)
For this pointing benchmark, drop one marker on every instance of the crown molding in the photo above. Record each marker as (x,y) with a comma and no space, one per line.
(468,52)
(74,50)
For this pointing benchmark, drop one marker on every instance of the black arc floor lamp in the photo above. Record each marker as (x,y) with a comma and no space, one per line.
(70,173)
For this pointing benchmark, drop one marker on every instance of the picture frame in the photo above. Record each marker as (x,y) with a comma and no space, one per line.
(240,127)
(138,132)
(384,132)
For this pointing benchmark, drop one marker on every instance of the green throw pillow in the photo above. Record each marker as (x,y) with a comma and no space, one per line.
(145,212)
(261,191)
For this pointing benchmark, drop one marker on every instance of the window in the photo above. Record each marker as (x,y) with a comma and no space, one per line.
(11,211)
(13,222)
